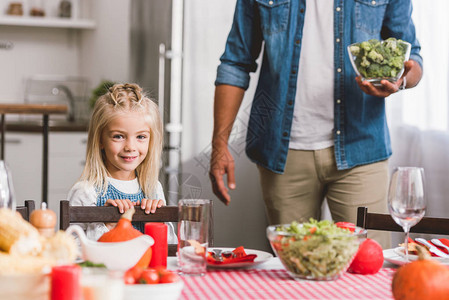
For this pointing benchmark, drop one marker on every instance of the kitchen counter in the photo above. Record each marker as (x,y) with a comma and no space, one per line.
(53,126)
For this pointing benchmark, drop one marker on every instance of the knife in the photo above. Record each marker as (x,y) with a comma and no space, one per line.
(432,248)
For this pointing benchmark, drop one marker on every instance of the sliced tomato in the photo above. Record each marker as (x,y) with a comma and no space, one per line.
(346,225)
(239,251)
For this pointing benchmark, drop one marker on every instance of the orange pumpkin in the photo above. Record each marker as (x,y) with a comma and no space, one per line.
(421,279)
(125,231)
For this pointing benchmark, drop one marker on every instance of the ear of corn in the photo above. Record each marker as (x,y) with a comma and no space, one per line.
(17,236)
(61,247)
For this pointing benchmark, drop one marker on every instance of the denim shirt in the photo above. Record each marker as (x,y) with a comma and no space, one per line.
(361,134)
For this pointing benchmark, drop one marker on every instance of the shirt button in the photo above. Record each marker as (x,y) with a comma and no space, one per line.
(293,72)
(338,132)
(338,8)
(339,70)
(290,102)
(270,2)
(337,40)
(373,2)
(338,101)
(297,42)
(285,134)
(301,10)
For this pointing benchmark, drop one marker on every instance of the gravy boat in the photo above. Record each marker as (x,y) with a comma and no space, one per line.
(115,256)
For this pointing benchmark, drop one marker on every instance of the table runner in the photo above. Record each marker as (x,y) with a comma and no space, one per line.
(277,284)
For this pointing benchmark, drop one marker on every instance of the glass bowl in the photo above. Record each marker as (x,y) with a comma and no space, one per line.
(365,63)
(318,255)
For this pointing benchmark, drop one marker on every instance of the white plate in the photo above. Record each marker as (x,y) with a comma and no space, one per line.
(396,256)
(262,257)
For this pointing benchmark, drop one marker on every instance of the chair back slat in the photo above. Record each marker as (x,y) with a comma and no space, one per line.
(26,209)
(88,214)
(385,222)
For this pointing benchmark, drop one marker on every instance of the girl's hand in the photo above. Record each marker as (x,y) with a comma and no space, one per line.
(150,205)
(122,204)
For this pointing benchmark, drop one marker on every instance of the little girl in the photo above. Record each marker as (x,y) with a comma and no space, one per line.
(123,157)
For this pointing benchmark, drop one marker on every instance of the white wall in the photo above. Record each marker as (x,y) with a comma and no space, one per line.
(243,222)
(105,50)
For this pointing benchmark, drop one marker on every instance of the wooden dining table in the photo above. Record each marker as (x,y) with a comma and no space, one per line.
(270,280)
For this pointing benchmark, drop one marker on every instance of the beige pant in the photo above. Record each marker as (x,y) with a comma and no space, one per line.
(311,176)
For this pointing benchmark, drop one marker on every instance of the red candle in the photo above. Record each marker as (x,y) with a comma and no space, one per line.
(158,231)
(65,282)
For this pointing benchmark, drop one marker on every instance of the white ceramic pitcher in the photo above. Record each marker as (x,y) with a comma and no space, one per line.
(115,256)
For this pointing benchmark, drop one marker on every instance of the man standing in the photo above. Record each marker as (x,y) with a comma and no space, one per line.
(315,131)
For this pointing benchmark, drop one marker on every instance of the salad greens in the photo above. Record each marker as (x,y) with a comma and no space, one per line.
(315,249)
(379,59)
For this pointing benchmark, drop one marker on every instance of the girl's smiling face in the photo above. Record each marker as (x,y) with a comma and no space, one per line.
(125,142)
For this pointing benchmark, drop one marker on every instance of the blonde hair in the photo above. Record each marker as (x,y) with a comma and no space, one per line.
(121,99)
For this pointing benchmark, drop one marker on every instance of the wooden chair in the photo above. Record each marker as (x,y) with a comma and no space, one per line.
(385,222)
(88,214)
(26,209)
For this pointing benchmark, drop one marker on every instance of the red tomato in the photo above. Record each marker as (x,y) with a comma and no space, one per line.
(132,275)
(346,225)
(369,258)
(149,276)
(128,278)
(169,277)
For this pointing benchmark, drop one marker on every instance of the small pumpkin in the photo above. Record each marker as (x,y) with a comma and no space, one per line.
(423,279)
(124,231)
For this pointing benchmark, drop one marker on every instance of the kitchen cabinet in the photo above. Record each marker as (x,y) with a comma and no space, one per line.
(23,153)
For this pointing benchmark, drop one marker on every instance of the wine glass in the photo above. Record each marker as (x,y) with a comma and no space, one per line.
(406,200)
(7,195)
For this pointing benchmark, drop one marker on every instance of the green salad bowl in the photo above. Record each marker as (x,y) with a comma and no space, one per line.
(315,256)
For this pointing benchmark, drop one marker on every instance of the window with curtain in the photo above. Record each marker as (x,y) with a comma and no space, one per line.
(426,106)
(419,117)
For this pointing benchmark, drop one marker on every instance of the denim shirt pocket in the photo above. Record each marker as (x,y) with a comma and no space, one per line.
(273,15)
(369,15)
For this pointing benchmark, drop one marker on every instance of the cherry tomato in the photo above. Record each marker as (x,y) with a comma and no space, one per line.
(149,276)
(169,277)
(132,275)
(346,225)
(129,278)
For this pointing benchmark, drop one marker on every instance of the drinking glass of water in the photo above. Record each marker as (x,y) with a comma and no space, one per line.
(193,236)
(406,199)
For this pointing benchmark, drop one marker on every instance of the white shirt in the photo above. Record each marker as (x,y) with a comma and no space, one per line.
(84,194)
(313,118)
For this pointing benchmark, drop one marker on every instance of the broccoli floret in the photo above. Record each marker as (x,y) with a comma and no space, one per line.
(375,56)
(385,71)
(373,70)
(396,62)
(366,46)
(355,50)
(365,62)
